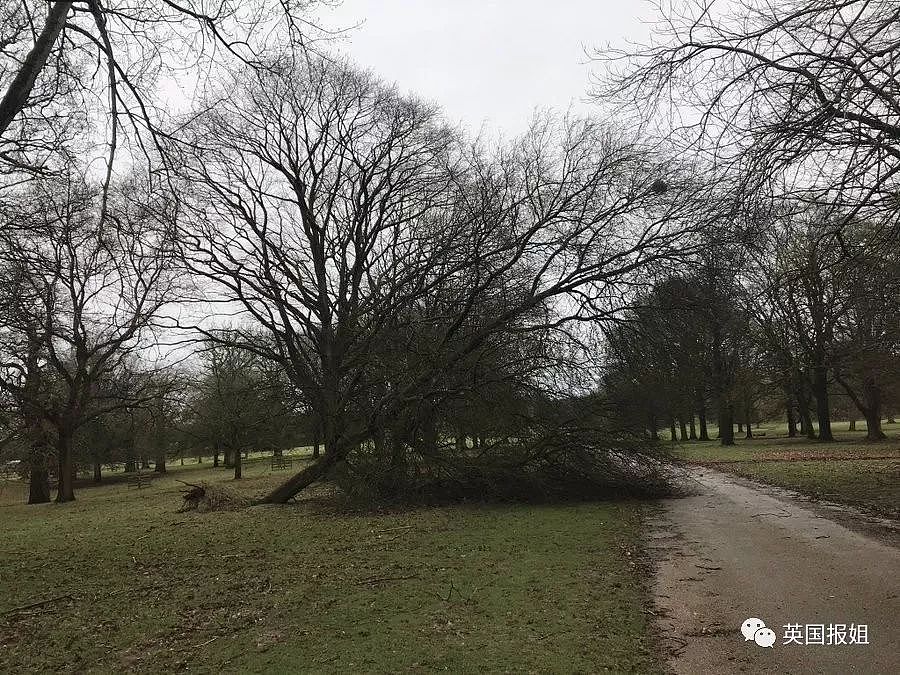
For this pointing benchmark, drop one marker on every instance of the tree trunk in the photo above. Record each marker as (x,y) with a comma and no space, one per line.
(873,423)
(305,478)
(791,420)
(130,461)
(160,464)
(693,429)
(672,436)
(748,415)
(145,463)
(238,462)
(872,392)
(806,426)
(852,426)
(726,424)
(65,491)
(229,458)
(16,96)
(98,477)
(704,428)
(683,428)
(38,476)
(317,438)
(651,428)
(740,427)
(823,412)
(215,456)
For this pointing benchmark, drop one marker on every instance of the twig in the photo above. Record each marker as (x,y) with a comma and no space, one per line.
(393,529)
(376,580)
(38,604)
(203,644)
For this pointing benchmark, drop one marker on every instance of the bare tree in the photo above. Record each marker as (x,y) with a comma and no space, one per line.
(804,94)
(64,63)
(92,286)
(330,209)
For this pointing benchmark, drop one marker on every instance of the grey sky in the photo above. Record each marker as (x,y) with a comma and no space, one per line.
(488,61)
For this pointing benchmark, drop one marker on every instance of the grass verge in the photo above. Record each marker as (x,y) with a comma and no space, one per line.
(851,470)
(873,485)
(135,586)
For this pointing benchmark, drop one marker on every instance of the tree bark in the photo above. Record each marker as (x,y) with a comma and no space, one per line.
(693,429)
(726,424)
(823,412)
(38,476)
(651,423)
(16,96)
(130,461)
(238,462)
(65,491)
(98,476)
(160,464)
(852,426)
(672,435)
(303,479)
(806,426)
(317,439)
(791,420)
(683,428)
(704,428)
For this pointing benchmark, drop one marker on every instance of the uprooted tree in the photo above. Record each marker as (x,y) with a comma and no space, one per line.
(401,273)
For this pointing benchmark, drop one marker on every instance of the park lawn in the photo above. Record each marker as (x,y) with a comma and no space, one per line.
(851,470)
(873,485)
(311,587)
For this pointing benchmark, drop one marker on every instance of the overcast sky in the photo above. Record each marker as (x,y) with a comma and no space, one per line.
(488,61)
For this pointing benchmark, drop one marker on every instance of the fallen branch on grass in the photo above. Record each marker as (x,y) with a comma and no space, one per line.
(210,497)
(393,529)
(40,603)
(378,580)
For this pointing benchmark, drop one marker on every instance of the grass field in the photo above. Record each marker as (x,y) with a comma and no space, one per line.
(313,588)
(851,470)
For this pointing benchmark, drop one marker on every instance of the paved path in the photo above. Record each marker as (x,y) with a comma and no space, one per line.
(735,551)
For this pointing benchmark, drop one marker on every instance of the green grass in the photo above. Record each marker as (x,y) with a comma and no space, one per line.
(871,484)
(311,588)
(851,470)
